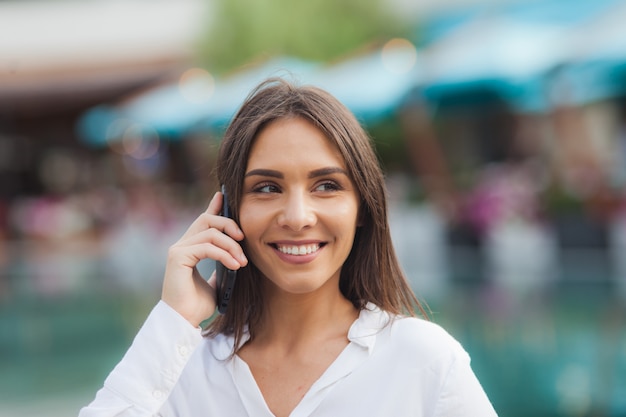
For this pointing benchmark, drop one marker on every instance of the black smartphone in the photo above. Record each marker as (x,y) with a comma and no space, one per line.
(225,277)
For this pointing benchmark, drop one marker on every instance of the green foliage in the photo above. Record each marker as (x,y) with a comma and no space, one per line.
(321,30)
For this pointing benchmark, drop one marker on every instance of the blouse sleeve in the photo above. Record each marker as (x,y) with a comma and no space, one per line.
(144,378)
(461,394)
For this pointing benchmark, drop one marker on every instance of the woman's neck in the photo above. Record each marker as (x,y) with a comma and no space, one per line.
(290,321)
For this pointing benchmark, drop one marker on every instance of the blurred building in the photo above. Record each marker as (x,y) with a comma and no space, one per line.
(59,58)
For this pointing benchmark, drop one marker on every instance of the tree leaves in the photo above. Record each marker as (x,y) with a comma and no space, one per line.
(322,30)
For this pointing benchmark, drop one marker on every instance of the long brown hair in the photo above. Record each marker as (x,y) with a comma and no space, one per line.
(371,272)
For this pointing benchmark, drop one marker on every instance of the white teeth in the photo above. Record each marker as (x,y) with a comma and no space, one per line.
(299,250)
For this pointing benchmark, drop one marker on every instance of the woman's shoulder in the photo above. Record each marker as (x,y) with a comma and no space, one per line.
(421,344)
(418,337)
(421,333)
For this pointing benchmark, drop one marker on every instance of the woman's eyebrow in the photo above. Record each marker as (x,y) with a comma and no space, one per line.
(327,171)
(313,174)
(265,173)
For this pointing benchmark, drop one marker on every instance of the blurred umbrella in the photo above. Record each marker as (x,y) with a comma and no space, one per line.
(371,85)
(495,53)
(596,62)
(196,102)
(515,50)
(232,91)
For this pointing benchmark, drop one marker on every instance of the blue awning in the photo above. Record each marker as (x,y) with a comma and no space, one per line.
(514,50)
(523,52)
(372,85)
(497,53)
(596,64)
(195,102)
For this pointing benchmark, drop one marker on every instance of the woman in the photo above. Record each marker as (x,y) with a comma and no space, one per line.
(322,320)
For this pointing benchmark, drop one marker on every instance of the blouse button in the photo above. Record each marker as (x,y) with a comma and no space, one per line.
(183,351)
(157,394)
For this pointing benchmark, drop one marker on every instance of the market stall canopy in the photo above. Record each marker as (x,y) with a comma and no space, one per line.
(372,85)
(512,51)
(496,53)
(196,102)
(595,68)
(519,52)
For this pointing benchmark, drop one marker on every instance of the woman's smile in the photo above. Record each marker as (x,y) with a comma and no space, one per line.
(298,249)
(297,253)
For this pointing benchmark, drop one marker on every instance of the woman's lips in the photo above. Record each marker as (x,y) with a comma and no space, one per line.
(298,252)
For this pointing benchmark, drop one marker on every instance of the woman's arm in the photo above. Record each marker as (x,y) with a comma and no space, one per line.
(462,395)
(143,380)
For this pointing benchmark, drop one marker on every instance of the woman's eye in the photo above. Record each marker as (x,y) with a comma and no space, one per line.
(328,186)
(266,188)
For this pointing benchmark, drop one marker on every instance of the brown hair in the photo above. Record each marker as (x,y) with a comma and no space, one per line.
(371,272)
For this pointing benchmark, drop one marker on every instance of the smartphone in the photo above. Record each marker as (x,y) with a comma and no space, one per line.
(225,277)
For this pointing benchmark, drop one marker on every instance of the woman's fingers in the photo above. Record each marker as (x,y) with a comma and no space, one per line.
(210,244)
(211,219)
(210,236)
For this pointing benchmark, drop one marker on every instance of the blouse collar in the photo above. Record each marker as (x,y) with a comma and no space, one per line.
(362,332)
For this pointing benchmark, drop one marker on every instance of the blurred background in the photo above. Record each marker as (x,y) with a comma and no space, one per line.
(501,126)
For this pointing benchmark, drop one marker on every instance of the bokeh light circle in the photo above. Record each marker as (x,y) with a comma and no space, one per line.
(399,56)
(196,85)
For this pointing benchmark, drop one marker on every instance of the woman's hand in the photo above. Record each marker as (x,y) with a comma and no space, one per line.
(209,236)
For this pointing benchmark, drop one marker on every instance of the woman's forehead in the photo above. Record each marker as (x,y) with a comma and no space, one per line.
(293,138)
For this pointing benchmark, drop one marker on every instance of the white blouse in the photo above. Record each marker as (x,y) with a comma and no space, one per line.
(402,367)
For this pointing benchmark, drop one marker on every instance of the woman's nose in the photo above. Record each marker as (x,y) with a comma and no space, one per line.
(298,212)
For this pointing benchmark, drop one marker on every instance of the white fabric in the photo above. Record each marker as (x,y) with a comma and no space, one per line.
(405,367)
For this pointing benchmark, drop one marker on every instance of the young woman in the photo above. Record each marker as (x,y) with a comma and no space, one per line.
(322,321)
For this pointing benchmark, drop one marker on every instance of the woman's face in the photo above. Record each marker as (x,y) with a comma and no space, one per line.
(299,207)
